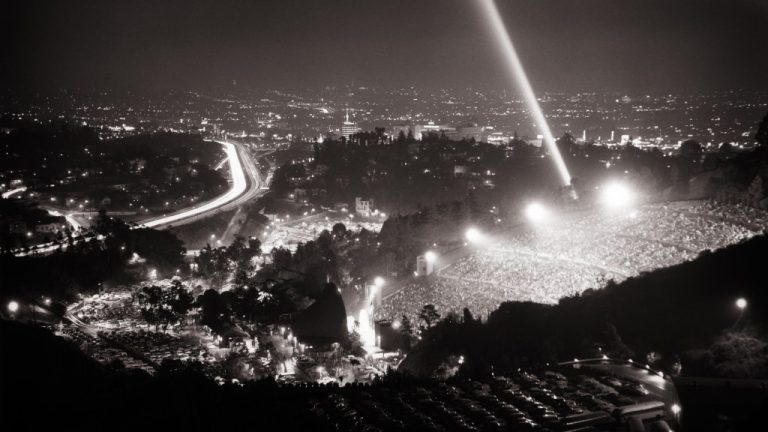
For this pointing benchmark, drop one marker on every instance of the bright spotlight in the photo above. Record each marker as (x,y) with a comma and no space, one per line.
(676,409)
(617,195)
(430,256)
(473,235)
(396,325)
(741,303)
(13,306)
(536,212)
(378,281)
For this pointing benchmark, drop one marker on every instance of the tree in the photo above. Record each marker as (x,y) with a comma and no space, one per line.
(254,246)
(214,310)
(690,148)
(726,148)
(150,298)
(339,230)
(756,191)
(281,258)
(761,136)
(406,328)
(740,355)
(428,316)
(180,299)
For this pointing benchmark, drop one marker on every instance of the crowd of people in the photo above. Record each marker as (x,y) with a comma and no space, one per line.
(544,262)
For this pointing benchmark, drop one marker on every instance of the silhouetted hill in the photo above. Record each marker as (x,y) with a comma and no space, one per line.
(686,312)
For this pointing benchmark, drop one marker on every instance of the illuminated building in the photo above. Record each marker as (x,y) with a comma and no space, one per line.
(348,128)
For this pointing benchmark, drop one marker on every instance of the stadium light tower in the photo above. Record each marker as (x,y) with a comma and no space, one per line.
(501,34)
(535,212)
(430,256)
(474,235)
(617,195)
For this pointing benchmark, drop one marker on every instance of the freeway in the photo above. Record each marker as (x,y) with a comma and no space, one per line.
(13,192)
(246,185)
(240,186)
(68,217)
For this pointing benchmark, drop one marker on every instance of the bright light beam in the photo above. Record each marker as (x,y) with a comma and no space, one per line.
(521,79)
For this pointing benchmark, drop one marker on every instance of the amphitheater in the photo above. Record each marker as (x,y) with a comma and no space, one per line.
(572,252)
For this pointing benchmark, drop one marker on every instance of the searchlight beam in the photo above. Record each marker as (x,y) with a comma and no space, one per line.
(521,79)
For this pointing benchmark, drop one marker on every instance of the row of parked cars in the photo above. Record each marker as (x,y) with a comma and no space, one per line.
(544,401)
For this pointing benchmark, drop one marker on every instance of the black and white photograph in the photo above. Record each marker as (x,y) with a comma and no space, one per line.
(384,215)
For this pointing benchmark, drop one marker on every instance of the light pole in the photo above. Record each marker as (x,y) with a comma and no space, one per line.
(741,304)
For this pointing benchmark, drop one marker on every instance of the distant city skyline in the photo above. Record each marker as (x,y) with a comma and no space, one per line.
(588,45)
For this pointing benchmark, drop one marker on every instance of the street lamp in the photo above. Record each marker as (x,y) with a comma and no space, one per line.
(13,306)
(741,303)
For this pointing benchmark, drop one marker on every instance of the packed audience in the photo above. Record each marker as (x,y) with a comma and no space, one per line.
(573,252)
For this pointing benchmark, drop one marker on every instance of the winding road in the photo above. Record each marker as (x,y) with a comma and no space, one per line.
(246,185)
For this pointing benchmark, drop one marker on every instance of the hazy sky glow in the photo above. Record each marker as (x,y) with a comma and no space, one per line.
(564,44)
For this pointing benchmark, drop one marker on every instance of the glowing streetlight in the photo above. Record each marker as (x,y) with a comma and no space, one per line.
(617,195)
(396,325)
(675,409)
(536,212)
(474,235)
(13,306)
(430,256)
(378,282)
(741,303)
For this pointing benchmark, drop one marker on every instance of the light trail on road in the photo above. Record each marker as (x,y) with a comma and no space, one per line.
(13,192)
(70,220)
(239,186)
(521,79)
(238,194)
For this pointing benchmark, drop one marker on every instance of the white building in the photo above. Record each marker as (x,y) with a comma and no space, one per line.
(348,128)
(364,207)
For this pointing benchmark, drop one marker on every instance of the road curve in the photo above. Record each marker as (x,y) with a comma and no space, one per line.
(241,191)
(239,187)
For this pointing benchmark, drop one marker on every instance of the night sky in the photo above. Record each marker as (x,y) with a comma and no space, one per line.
(566,45)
